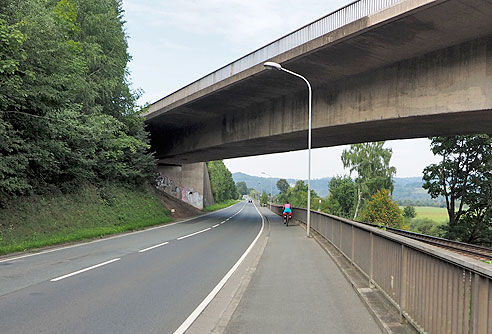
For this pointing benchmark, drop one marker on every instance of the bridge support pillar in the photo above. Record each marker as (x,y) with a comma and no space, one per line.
(189,183)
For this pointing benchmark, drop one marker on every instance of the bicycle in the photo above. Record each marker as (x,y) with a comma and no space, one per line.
(287,217)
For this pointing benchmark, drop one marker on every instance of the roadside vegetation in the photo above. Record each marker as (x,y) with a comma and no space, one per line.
(91,212)
(225,191)
(221,205)
(462,181)
(74,155)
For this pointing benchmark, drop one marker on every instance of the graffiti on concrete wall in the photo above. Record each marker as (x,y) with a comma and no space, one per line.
(167,185)
(185,194)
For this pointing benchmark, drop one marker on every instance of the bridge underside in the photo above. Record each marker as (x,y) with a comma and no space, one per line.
(398,74)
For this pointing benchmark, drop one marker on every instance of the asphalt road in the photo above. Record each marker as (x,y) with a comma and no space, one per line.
(145,282)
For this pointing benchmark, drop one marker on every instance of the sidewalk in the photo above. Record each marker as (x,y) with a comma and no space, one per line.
(297,288)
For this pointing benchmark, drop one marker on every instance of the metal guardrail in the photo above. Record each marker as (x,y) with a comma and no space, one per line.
(343,16)
(437,291)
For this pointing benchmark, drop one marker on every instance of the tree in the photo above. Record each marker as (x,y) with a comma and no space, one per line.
(343,196)
(242,188)
(464,179)
(382,210)
(283,185)
(264,198)
(67,114)
(223,187)
(297,196)
(409,212)
(371,163)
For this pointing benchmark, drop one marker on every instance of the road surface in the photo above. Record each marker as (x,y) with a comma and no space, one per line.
(145,282)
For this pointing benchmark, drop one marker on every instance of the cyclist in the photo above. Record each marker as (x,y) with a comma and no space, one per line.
(287,210)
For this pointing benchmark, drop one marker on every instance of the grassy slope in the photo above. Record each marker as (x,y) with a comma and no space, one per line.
(218,206)
(40,221)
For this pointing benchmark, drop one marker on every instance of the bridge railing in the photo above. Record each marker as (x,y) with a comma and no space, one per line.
(343,16)
(436,290)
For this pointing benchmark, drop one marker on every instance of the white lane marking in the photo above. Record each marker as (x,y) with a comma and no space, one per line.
(207,229)
(110,238)
(149,248)
(192,317)
(84,270)
(192,234)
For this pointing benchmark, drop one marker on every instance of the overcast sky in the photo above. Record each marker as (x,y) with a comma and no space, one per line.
(174,43)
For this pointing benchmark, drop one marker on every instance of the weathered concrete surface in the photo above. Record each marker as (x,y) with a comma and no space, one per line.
(420,68)
(189,183)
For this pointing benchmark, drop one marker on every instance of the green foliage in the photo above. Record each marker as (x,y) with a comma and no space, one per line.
(371,163)
(264,198)
(67,115)
(381,210)
(297,196)
(223,187)
(343,197)
(90,212)
(283,186)
(426,226)
(409,212)
(464,179)
(241,187)
(221,205)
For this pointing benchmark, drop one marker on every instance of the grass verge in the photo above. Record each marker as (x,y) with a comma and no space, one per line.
(221,205)
(40,221)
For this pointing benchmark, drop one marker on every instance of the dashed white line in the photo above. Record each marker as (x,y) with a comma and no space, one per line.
(152,247)
(215,225)
(84,270)
(192,234)
(109,238)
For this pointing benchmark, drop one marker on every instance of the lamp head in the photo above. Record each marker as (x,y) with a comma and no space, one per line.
(271,64)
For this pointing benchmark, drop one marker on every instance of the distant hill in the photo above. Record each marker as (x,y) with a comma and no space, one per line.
(408,190)
(263,183)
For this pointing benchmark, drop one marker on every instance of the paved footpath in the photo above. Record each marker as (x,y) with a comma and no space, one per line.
(297,288)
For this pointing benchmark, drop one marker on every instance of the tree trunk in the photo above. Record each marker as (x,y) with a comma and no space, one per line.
(358,201)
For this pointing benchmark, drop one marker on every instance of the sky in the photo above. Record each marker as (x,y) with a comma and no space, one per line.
(174,43)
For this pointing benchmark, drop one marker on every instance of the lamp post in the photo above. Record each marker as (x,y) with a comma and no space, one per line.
(271,194)
(273,65)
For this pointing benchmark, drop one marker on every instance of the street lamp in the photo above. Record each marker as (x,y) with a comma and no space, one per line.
(271,194)
(273,65)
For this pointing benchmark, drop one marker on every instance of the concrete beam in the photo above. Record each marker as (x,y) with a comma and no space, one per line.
(420,68)
(445,92)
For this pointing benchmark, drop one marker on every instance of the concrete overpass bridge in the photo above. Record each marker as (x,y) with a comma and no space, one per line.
(380,70)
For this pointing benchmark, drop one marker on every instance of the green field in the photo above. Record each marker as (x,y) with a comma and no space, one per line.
(438,215)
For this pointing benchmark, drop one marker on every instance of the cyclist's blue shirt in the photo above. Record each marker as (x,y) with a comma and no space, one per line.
(288,210)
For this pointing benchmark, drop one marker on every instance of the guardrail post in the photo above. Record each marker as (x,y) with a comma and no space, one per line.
(353,244)
(332,231)
(479,305)
(371,266)
(403,282)
(341,234)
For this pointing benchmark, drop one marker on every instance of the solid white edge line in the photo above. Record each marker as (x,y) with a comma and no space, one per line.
(152,247)
(192,234)
(192,317)
(113,237)
(83,270)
